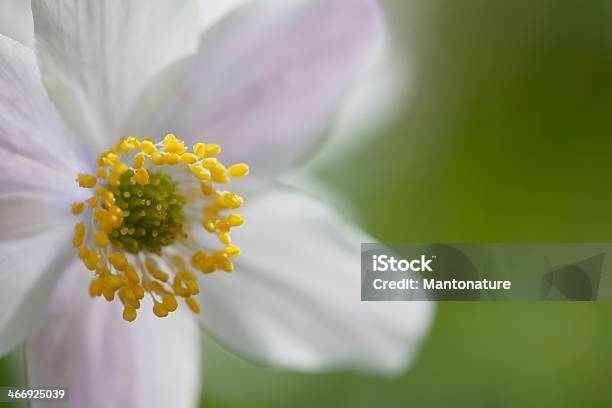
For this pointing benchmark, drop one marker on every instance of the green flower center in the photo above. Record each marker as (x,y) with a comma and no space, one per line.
(153,213)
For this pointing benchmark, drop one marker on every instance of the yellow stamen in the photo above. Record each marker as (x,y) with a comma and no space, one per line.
(118,261)
(212,150)
(200,172)
(139,160)
(148,147)
(160,310)
(235,220)
(136,214)
(200,150)
(238,170)
(232,250)
(101,173)
(175,146)
(79,235)
(95,287)
(77,208)
(129,314)
(157,159)
(193,305)
(92,202)
(169,302)
(86,180)
(231,200)
(141,176)
(189,158)
(132,275)
(101,239)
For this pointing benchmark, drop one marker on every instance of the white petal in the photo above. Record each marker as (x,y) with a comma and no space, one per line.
(269,78)
(36,148)
(24,216)
(212,11)
(380,97)
(16,21)
(294,298)
(38,163)
(97,56)
(85,345)
(28,270)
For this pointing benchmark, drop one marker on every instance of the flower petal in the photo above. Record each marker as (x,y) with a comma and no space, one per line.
(36,148)
(212,11)
(294,298)
(16,21)
(104,361)
(24,216)
(28,270)
(97,56)
(270,76)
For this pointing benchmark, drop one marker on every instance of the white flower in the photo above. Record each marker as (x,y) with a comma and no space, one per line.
(264,83)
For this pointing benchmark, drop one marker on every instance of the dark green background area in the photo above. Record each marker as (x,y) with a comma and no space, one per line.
(506,138)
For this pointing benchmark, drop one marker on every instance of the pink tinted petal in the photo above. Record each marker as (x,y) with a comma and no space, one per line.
(37,151)
(269,78)
(85,345)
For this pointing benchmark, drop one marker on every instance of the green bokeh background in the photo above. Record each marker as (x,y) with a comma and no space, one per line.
(506,137)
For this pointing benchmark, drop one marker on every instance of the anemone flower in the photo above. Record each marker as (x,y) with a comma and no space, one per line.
(116,222)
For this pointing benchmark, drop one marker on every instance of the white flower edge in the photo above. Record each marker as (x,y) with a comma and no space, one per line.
(294,300)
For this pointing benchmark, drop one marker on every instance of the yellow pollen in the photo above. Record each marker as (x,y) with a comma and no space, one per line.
(225,238)
(83,252)
(139,160)
(199,149)
(169,302)
(200,172)
(235,220)
(232,250)
(189,158)
(193,305)
(171,158)
(148,147)
(86,180)
(92,202)
(101,173)
(141,176)
(157,159)
(79,235)
(220,178)
(132,275)
(129,314)
(132,234)
(101,239)
(231,200)
(77,208)
(175,147)
(212,150)
(95,287)
(238,170)
(160,310)
(119,261)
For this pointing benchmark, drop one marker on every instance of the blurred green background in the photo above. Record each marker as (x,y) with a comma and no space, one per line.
(505,136)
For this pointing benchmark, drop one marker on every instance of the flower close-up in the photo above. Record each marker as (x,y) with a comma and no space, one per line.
(141,161)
